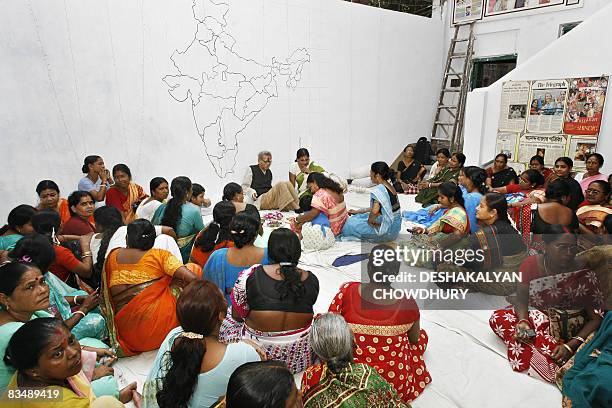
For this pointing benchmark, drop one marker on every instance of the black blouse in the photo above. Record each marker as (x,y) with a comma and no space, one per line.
(263,295)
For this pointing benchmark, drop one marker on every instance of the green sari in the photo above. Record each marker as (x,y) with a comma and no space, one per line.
(356,386)
(428,196)
(300,179)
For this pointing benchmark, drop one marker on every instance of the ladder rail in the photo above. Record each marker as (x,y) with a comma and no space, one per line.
(452,126)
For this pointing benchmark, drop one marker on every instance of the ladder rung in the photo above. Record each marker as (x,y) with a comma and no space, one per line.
(444,123)
(452,90)
(447,107)
(440,138)
(461,40)
(458,55)
(454,74)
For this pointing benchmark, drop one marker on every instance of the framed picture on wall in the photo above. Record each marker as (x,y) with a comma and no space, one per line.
(466,11)
(497,7)
(572,2)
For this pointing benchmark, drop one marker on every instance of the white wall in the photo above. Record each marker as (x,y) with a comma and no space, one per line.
(582,52)
(82,77)
(523,33)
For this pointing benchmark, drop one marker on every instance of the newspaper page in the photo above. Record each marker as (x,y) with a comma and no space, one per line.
(467,10)
(506,143)
(550,147)
(547,106)
(580,147)
(585,105)
(495,7)
(514,106)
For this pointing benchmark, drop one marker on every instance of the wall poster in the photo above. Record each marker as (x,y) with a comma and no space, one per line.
(466,11)
(496,7)
(585,104)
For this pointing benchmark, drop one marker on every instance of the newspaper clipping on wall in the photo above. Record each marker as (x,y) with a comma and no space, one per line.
(550,147)
(547,106)
(506,144)
(580,147)
(467,10)
(514,106)
(585,104)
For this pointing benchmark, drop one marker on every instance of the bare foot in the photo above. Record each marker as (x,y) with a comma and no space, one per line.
(126,394)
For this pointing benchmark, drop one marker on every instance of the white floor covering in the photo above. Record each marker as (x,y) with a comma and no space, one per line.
(466,360)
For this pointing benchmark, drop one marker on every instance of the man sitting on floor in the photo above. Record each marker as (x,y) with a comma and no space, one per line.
(257,186)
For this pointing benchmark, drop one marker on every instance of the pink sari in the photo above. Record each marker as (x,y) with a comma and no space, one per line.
(336,212)
(586,180)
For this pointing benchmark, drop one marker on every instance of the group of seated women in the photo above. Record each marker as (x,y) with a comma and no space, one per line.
(84,284)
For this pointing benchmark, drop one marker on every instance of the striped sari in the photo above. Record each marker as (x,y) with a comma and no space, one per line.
(335,212)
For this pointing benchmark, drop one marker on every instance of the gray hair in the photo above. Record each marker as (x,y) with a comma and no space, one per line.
(332,341)
(263,153)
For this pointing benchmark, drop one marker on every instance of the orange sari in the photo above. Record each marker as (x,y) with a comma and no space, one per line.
(135,195)
(143,323)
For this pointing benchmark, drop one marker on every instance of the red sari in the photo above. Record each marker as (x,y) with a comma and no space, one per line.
(562,291)
(381,334)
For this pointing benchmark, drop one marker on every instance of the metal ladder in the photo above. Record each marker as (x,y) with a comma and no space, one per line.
(447,128)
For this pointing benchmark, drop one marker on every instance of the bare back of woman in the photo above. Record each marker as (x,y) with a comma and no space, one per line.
(556,213)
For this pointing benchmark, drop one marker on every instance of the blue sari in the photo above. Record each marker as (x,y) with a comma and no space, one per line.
(471,202)
(587,383)
(357,227)
(92,325)
(223,273)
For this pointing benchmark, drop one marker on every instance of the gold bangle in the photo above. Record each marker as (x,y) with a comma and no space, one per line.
(86,254)
(580,339)
(571,350)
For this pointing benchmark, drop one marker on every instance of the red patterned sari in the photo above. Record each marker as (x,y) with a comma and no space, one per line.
(381,333)
(562,291)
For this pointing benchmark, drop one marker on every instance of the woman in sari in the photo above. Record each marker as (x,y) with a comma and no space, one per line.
(592,213)
(409,173)
(125,195)
(49,199)
(180,215)
(24,296)
(64,301)
(449,230)
(428,192)
(216,235)
(140,285)
(299,171)
(225,264)
(47,357)
(594,163)
(531,221)
(65,266)
(19,223)
(328,207)
(383,220)
(82,205)
(501,245)
(273,304)
(158,186)
(537,163)
(193,367)
(387,333)
(563,171)
(554,309)
(338,381)
(587,383)
(500,175)
(97,178)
